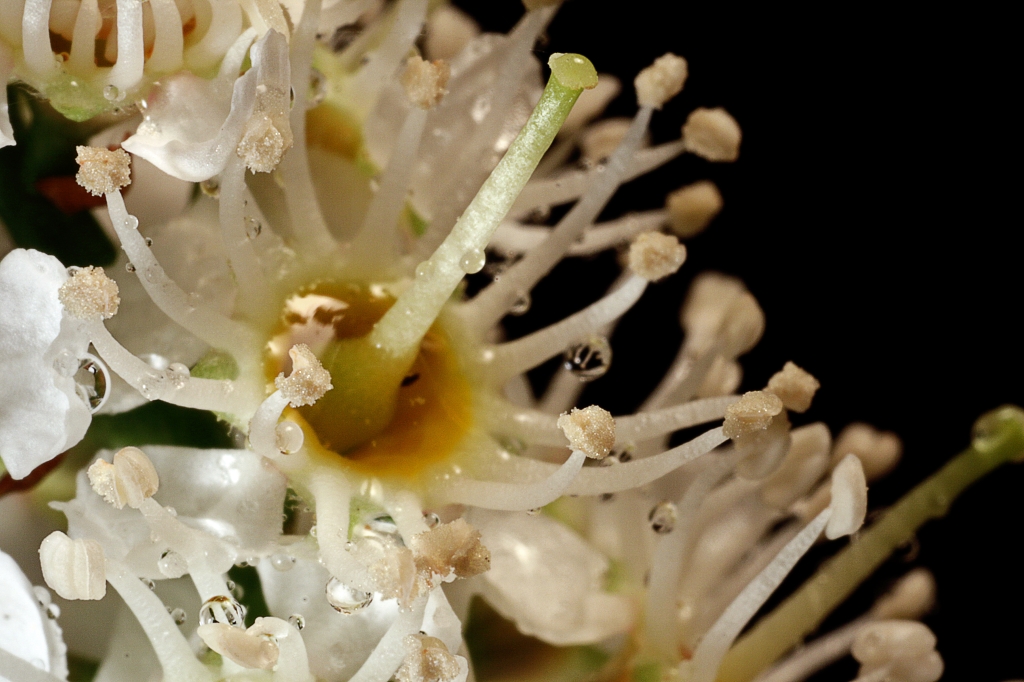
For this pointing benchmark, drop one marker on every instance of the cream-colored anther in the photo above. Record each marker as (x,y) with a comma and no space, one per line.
(590,430)
(102,171)
(130,480)
(794,386)
(449,29)
(692,208)
(722,379)
(244,647)
(912,597)
(89,294)
(879,451)
(308,381)
(424,81)
(806,461)
(904,649)
(720,309)
(849,499)
(661,81)
(712,134)
(451,548)
(392,568)
(654,256)
(74,569)
(427,659)
(601,139)
(751,413)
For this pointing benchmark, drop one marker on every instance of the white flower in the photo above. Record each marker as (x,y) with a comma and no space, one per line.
(320,313)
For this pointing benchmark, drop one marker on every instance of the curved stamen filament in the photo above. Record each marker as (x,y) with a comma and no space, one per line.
(331,494)
(387,656)
(127,71)
(516,496)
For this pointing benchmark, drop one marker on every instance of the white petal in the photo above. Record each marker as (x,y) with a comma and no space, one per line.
(25,630)
(337,644)
(43,415)
(548,580)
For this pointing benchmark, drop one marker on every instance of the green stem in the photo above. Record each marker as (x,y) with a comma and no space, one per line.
(998,438)
(400,330)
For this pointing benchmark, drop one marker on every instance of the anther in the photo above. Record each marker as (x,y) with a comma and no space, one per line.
(794,386)
(451,548)
(74,569)
(751,413)
(89,294)
(654,256)
(424,81)
(712,134)
(661,81)
(692,208)
(131,479)
(849,499)
(590,430)
(101,171)
(308,381)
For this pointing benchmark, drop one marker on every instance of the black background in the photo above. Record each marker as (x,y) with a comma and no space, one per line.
(870,213)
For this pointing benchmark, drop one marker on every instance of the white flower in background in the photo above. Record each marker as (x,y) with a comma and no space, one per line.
(312,297)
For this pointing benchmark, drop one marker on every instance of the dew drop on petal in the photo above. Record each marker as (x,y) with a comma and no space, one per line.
(150,385)
(663,517)
(224,610)
(521,304)
(172,565)
(91,382)
(345,599)
(131,222)
(289,437)
(282,562)
(297,621)
(431,519)
(178,374)
(178,615)
(110,93)
(588,360)
(253,227)
(473,261)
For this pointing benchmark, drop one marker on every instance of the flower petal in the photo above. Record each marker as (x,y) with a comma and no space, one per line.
(43,415)
(548,580)
(25,630)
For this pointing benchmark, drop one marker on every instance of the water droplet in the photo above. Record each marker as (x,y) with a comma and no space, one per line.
(178,616)
(148,583)
(178,374)
(289,437)
(172,565)
(626,455)
(588,360)
(110,92)
(149,242)
(91,382)
(425,269)
(521,304)
(222,609)
(380,527)
(473,261)
(282,562)
(150,274)
(533,512)
(297,621)
(663,517)
(230,584)
(151,385)
(431,519)
(131,222)
(172,511)
(129,267)
(53,612)
(312,531)
(345,599)
(317,88)
(253,227)
(73,270)
(210,187)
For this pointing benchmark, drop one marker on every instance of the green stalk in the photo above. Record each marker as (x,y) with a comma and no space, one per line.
(400,330)
(998,437)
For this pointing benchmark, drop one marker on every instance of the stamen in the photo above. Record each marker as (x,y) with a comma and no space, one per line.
(240,646)
(661,81)
(102,171)
(377,244)
(389,653)
(400,330)
(82,59)
(751,413)
(451,549)
(90,295)
(35,38)
(514,496)
(332,493)
(225,27)
(516,357)
(655,256)
(74,569)
(268,133)
(999,438)
(849,498)
(308,381)
(178,662)
(794,386)
(131,58)
(428,660)
(449,29)
(897,650)
(168,42)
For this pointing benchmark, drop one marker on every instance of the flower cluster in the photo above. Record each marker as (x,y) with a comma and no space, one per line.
(391,491)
